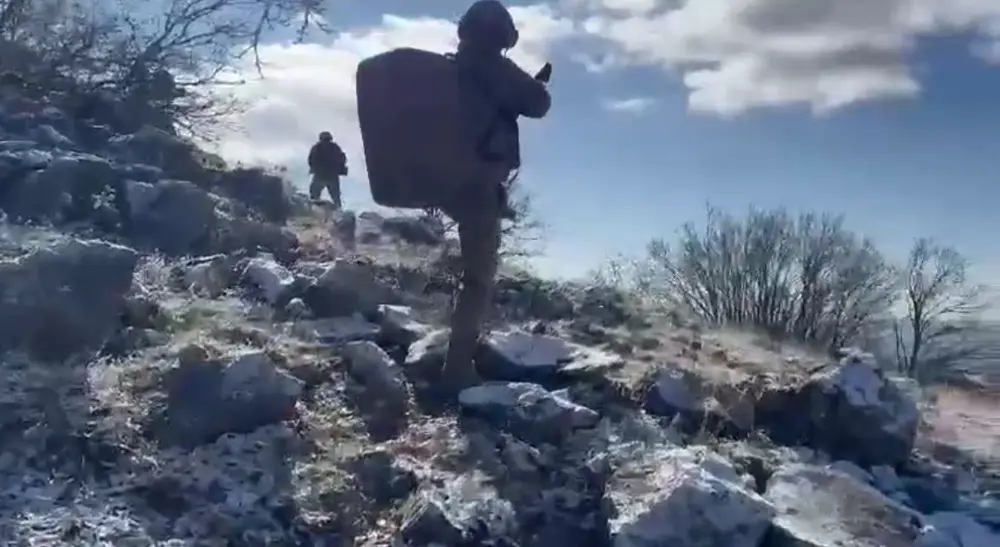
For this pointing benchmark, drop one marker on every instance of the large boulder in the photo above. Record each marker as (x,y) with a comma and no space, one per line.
(177,158)
(517,355)
(235,231)
(680,497)
(466,511)
(71,188)
(271,280)
(825,507)
(206,398)
(173,216)
(527,410)
(851,411)
(346,287)
(955,530)
(263,193)
(63,297)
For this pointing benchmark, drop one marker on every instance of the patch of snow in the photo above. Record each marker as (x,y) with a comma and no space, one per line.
(955,530)
(541,350)
(270,277)
(333,330)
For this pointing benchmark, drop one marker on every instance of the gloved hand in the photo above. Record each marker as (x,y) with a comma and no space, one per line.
(545,74)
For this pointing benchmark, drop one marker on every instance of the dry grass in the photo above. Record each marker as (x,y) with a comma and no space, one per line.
(965,419)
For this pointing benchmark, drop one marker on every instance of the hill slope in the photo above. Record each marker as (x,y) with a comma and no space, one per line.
(196,356)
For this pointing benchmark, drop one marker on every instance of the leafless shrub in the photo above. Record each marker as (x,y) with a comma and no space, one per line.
(807,277)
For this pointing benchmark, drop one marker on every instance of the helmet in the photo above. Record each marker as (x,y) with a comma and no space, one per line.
(489,23)
(325,136)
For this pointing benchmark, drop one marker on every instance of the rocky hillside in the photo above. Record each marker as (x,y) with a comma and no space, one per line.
(197,356)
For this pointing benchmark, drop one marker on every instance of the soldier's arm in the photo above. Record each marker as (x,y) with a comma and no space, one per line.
(312,157)
(519,92)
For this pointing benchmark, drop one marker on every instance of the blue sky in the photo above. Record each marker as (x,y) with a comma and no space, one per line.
(898,161)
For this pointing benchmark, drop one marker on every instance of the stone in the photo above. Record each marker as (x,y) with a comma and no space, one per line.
(377,371)
(335,330)
(399,324)
(64,297)
(272,280)
(669,498)
(179,219)
(848,410)
(865,418)
(463,511)
(518,355)
(955,530)
(526,410)
(206,399)
(210,275)
(820,507)
(345,288)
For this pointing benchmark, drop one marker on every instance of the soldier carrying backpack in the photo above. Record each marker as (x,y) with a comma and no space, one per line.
(440,131)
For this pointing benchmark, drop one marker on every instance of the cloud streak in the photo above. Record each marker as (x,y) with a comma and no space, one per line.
(631,105)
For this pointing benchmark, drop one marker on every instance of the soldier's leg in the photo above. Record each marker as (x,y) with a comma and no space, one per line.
(333,187)
(316,187)
(479,239)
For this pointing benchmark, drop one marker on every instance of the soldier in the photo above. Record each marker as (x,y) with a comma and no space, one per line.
(327,163)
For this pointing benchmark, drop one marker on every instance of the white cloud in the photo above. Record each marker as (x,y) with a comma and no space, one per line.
(308,88)
(735,55)
(632,105)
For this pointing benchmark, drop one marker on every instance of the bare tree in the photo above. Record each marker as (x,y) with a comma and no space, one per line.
(807,277)
(171,56)
(942,323)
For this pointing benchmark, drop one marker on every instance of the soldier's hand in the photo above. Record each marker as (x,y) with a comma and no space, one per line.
(545,74)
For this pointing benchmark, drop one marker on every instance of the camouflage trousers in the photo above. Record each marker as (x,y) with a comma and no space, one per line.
(332,185)
(478,217)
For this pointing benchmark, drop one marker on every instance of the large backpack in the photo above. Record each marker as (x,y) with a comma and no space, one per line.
(417,149)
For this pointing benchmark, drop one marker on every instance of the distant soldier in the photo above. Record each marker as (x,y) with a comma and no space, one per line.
(327,163)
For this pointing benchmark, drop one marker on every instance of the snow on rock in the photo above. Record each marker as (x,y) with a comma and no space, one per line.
(519,355)
(400,325)
(205,399)
(429,350)
(464,511)
(674,391)
(335,330)
(955,530)
(822,507)
(346,287)
(255,374)
(269,277)
(673,498)
(63,297)
(377,371)
(856,414)
(527,410)
(853,470)
(209,275)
